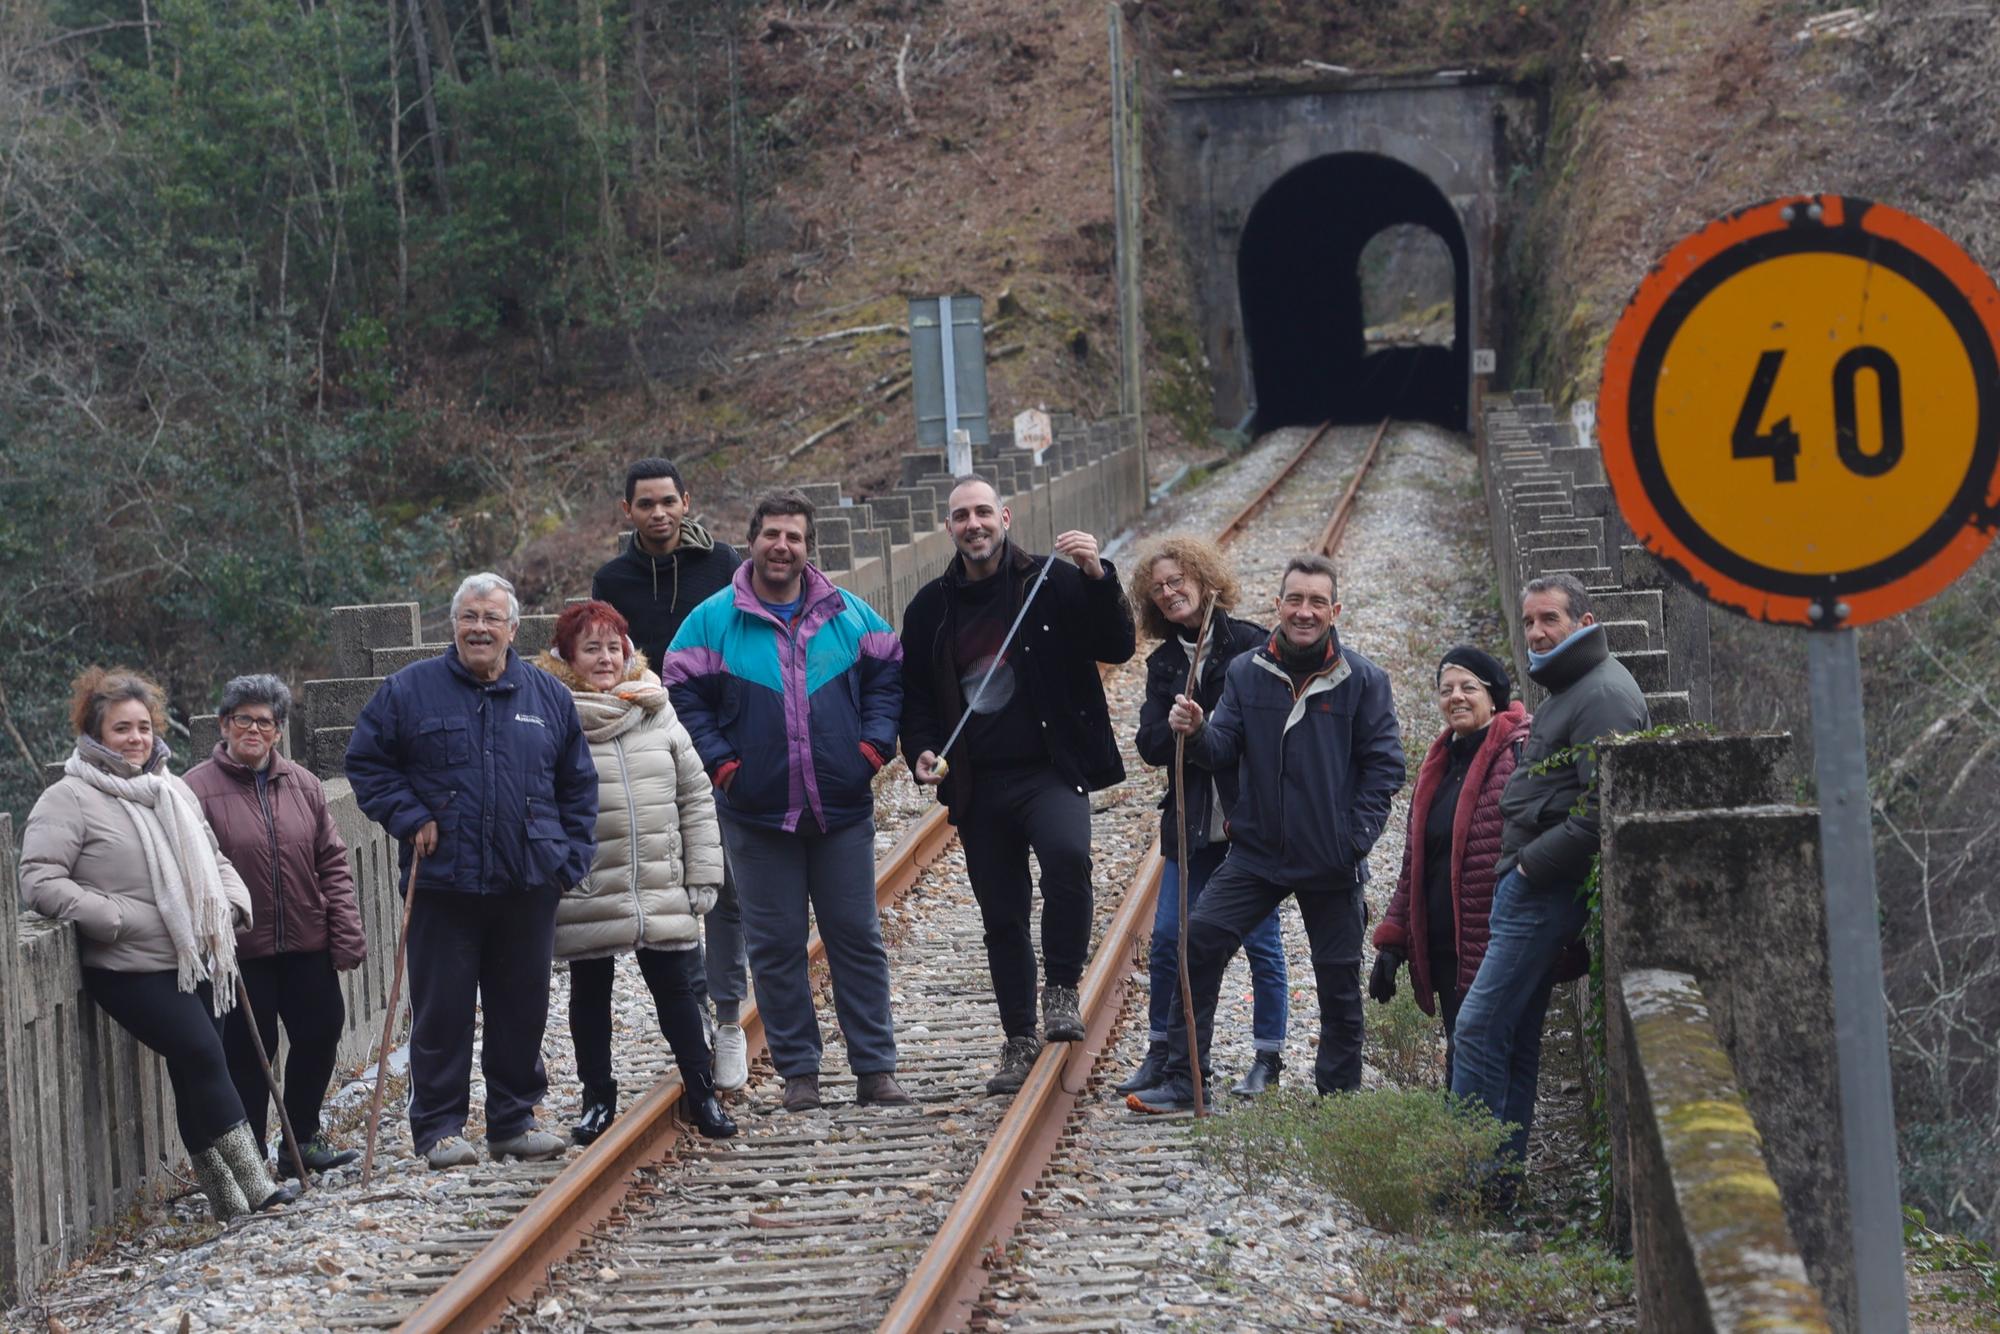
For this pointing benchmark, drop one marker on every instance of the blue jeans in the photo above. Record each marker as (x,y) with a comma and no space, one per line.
(1497,1051)
(1264,946)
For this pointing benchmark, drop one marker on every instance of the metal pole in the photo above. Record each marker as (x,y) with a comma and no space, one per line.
(958,454)
(1126,147)
(1854,956)
(389,1021)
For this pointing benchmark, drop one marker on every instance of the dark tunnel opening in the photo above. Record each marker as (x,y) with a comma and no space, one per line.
(1299,276)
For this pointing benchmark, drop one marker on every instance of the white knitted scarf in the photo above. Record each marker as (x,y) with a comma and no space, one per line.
(180,862)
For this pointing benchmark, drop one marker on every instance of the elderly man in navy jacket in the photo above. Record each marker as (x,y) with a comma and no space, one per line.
(1311,728)
(476,760)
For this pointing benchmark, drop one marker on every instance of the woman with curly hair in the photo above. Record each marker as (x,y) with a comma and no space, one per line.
(656,872)
(1169,588)
(120,847)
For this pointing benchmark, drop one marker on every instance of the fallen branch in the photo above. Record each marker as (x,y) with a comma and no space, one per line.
(800,344)
(889,395)
(1979,755)
(839,423)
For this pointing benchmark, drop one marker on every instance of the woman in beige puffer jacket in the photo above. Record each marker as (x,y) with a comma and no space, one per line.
(657,868)
(120,847)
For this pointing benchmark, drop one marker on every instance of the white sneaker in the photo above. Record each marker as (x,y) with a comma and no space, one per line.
(732,1057)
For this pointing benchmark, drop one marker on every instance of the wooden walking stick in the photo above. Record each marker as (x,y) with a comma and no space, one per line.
(389,1021)
(1180,812)
(271,1082)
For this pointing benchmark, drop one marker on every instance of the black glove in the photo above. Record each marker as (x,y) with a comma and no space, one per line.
(1382,982)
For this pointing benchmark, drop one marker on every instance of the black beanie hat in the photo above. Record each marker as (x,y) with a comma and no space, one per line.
(1484,666)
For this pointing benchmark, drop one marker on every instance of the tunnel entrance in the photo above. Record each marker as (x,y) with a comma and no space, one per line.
(1342,329)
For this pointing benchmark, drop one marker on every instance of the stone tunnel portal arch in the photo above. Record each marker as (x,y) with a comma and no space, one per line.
(1299,283)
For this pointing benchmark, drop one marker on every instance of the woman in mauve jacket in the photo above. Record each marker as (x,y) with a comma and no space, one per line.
(656,872)
(1437,916)
(271,819)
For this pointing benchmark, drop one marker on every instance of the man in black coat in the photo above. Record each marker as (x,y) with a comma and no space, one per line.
(1310,726)
(668,567)
(1037,742)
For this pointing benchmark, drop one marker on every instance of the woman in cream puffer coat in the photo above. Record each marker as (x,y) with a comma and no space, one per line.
(657,868)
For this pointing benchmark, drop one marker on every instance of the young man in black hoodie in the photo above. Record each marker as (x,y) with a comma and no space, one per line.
(1038,741)
(669,565)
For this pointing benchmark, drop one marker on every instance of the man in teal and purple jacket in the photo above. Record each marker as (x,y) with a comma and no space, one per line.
(792,690)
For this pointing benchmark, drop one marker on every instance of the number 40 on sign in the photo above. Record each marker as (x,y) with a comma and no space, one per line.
(1800,411)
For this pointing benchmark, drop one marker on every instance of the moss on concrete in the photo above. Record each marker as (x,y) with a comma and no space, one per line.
(1728,1212)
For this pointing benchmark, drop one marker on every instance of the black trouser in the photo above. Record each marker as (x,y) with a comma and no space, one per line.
(1236,901)
(181,1026)
(492,953)
(1444,984)
(1011,811)
(671,975)
(302,991)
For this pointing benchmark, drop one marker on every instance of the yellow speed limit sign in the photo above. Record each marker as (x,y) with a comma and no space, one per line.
(1800,411)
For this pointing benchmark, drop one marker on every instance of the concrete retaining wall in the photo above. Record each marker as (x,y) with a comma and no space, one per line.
(87,1115)
(1707,871)
(1551,511)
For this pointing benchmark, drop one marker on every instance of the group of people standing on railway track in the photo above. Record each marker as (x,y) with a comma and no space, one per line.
(687,775)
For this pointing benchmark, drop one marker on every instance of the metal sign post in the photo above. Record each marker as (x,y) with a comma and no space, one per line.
(950,361)
(1854,958)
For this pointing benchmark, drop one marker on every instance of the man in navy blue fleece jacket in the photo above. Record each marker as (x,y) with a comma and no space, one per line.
(1311,727)
(477,760)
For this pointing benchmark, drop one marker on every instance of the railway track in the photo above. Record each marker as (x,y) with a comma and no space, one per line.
(888,1217)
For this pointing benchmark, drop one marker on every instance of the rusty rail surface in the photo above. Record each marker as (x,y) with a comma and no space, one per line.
(1256,502)
(518,1259)
(1336,524)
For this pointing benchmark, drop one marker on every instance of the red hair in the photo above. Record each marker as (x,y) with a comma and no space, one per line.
(581,617)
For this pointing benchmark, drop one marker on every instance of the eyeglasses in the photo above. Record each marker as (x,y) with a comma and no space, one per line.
(243,722)
(472,620)
(1173,585)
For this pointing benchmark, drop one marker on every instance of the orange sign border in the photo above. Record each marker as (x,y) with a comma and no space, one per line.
(1621,357)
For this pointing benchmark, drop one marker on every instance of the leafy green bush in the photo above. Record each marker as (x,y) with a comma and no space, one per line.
(1446,1272)
(1404,1043)
(1404,1157)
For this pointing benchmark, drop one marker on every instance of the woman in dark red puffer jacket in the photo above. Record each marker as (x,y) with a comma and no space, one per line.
(1437,916)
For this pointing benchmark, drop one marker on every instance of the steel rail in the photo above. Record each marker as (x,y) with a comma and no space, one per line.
(946,1281)
(1256,502)
(517,1260)
(1336,524)
(941,1289)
